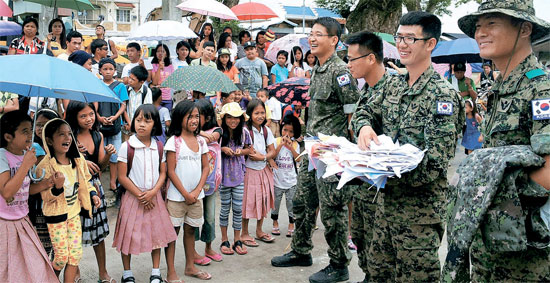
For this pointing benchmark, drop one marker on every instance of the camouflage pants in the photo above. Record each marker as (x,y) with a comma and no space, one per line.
(362,221)
(334,215)
(532,265)
(404,252)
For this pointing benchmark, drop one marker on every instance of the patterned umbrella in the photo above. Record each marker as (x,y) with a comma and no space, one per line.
(199,78)
(292,91)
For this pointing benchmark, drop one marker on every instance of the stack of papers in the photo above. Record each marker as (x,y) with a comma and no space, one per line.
(332,155)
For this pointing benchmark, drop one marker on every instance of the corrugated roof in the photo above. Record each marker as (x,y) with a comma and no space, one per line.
(321,12)
(299,10)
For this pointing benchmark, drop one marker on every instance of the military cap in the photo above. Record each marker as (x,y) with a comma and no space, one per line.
(520,9)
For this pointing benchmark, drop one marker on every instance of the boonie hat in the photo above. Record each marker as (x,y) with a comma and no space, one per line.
(234,110)
(224,51)
(249,44)
(520,9)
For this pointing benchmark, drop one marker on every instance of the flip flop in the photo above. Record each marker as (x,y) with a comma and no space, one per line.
(174,281)
(250,243)
(203,261)
(201,275)
(266,238)
(275,231)
(239,244)
(289,233)
(228,250)
(214,257)
(110,280)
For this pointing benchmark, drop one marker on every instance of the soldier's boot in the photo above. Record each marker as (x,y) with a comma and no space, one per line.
(330,273)
(292,259)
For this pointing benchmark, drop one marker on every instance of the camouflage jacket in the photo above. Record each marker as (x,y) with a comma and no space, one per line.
(429,114)
(367,94)
(333,93)
(486,193)
(520,111)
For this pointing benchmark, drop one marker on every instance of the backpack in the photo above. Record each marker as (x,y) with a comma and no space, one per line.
(107,109)
(130,156)
(143,95)
(215,163)
(264,129)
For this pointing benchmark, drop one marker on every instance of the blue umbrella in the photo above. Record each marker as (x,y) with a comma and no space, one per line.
(458,50)
(44,76)
(10,28)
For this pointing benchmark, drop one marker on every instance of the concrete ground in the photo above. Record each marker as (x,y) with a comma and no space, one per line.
(253,267)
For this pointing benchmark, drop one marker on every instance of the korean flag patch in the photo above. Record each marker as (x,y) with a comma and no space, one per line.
(444,108)
(343,80)
(541,109)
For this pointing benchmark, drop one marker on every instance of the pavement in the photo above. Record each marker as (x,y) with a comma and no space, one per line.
(253,267)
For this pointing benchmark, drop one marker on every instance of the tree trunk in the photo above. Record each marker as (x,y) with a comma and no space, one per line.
(376,16)
(230,3)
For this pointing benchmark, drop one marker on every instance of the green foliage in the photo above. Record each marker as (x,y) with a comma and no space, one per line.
(219,25)
(341,7)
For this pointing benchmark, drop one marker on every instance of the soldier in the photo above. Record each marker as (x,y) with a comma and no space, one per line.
(333,95)
(365,60)
(518,114)
(424,110)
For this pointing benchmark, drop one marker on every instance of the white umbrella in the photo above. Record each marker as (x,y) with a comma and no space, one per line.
(162,30)
(211,8)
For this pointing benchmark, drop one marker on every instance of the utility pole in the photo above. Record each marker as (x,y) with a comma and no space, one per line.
(169,10)
(304,16)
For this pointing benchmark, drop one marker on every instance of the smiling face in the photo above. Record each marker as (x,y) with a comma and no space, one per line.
(61,140)
(495,36)
(417,52)
(22,138)
(261,39)
(191,121)
(143,126)
(320,42)
(232,122)
(238,96)
(86,118)
(258,115)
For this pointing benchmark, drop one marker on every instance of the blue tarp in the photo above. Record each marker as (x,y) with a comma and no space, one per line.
(299,11)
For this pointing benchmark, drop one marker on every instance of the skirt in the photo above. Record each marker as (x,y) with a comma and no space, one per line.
(142,231)
(258,197)
(23,257)
(39,221)
(95,229)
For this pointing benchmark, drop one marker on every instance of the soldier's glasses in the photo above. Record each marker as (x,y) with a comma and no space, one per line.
(408,39)
(317,35)
(349,59)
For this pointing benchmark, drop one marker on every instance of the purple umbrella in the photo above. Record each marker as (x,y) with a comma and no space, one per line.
(9,28)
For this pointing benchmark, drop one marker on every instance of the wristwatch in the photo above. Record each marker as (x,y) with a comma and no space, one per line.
(265,158)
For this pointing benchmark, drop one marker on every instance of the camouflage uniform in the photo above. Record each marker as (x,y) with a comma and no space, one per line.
(517,116)
(364,205)
(409,217)
(333,95)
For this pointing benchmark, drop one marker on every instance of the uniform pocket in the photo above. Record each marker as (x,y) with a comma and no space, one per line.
(422,236)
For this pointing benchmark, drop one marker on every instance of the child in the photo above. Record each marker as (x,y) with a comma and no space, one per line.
(143,224)
(70,194)
(35,201)
(258,195)
(162,69)
(262,95)
(297,64)
(471,132)
(311,61)
(252,70)
(99,51)
(164,114)
(28,261)
(82,119)
(276,115)
(225,98)
(138,93)
(187,160)
(109,114)
(236,144)
(183,59)
(241,97)
(295,110)
(225,65)
(133,50)
(212,134)
(285,179)
(279,72)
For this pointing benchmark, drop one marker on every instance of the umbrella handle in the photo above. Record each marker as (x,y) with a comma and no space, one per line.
(32,174)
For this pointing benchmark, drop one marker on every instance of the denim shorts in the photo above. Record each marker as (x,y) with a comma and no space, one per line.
(116,141)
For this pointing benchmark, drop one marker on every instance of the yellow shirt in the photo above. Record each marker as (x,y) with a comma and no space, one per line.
(267,113)
(71,193)
(56,48)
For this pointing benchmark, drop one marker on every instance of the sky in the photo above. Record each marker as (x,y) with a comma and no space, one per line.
(449,22)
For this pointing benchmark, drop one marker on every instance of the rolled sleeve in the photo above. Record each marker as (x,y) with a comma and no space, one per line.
(347,93)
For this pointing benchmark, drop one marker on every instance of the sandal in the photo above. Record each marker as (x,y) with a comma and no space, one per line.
(203,261)
(275,231)
(239,244)
(128,279)
(250,243)
(266,238)
(201,275)
(214,257)
(289,233)
(227,250)
(155,277)
(110,280)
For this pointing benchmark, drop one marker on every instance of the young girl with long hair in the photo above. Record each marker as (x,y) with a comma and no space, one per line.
(236,144)
(258,198)
(297,64)
(143,224)
(183,50)
(162,69)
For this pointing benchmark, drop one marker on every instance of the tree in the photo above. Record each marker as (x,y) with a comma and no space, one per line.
(341,7)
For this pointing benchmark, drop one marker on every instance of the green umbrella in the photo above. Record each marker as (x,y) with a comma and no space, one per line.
(78,5)
(199,78)
(386,36)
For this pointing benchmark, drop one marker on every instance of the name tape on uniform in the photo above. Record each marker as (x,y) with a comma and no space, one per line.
(444,108)
(343,80)
(541,109)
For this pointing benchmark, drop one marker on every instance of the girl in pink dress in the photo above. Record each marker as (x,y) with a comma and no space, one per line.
(162,69)
(23,257)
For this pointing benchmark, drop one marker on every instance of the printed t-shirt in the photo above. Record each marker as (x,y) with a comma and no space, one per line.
(18,207)
(285,175)
(71,192)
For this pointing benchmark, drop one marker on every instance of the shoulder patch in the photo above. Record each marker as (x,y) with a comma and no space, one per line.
(534,73)
(541,109)
(343,80)
(444,108)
